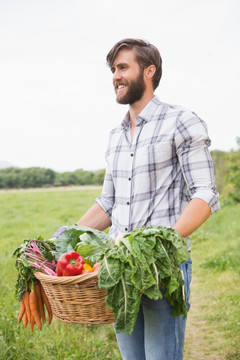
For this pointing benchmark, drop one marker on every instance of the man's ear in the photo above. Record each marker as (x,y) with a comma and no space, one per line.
(150,71)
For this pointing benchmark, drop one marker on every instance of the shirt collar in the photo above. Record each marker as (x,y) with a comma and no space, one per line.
(149,109)
(126,121)
(145,114)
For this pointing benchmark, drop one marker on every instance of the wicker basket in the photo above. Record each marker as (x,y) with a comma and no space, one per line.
(76,299)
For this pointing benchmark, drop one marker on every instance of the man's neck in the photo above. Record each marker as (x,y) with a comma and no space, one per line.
(136,108)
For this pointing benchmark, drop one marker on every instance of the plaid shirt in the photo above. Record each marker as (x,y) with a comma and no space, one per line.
(150,180)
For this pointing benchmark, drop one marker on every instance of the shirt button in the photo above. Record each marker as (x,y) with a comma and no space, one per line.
(128,203)
(125,229)
(131,154)
(129,179)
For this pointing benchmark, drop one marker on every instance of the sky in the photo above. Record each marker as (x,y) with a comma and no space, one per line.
(57,103)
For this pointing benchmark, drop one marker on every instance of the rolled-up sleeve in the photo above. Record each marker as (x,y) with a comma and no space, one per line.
(192,146)
(106,199)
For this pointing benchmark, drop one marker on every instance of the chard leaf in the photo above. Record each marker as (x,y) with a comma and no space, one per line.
(124,301)
(143,251)
(110,272)
(177,298)
(146,259)
(175,245)
(153,291)
(163,260)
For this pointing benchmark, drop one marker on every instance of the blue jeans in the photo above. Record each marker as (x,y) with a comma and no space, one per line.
(157,335)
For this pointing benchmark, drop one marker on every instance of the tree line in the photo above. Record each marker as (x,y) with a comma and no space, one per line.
(35,177)
(226,167)
(227,174)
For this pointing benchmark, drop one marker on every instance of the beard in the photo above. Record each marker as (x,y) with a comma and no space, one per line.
(134,92)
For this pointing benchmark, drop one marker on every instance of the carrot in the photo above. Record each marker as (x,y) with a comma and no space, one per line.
(32,322)
(47,304)
(34,308)
(22,310)
(25,319)
(40,301)
(26,303)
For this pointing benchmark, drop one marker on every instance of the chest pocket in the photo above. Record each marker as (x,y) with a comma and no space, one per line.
(157,155)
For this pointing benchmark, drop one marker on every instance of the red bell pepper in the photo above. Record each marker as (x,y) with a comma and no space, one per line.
(70,264)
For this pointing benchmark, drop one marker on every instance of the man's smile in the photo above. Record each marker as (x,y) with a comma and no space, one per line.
(119,87)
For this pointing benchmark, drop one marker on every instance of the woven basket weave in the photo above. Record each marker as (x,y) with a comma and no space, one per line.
(76,299)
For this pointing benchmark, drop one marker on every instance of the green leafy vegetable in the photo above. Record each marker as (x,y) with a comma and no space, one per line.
(31,256)
(146,259)
(88,242)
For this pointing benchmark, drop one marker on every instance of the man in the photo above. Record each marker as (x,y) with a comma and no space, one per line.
(159,172)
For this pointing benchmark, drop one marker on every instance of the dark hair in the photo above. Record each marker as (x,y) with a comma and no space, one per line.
(146,55)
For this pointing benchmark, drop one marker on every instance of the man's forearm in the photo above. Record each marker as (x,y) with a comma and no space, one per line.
(95,218)
(194,215)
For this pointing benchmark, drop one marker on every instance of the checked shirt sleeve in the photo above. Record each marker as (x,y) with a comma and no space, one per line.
(192,147)
(106,199)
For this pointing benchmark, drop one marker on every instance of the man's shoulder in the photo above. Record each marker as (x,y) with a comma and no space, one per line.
(159,107)
(174,108)
(180,113)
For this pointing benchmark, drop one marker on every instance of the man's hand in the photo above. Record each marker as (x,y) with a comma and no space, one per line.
(59,232)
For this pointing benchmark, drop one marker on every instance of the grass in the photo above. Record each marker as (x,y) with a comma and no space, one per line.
(24,215)
(213,328)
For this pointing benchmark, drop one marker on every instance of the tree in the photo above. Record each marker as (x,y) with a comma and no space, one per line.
(220,168)
(233,175)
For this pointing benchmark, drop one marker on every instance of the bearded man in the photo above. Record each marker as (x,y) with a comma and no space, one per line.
(159,172)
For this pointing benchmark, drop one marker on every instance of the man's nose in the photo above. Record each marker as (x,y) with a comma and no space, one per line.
(116,76)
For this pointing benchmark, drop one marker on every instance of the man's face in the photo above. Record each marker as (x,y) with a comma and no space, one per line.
(128,79)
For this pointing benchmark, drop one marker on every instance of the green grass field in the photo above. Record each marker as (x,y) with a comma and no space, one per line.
(213,329)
